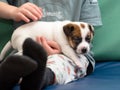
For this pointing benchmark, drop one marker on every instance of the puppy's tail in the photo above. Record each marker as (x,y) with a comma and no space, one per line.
(5,49)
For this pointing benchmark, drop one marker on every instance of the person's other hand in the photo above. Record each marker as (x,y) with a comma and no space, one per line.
(50,46)
(27,12)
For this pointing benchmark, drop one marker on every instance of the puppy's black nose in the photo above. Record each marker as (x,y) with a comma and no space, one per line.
(84,50)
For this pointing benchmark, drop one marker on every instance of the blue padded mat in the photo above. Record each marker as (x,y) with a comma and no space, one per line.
(105,77)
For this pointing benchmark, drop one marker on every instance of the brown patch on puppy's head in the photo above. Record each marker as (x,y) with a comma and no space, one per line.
(73,34)
(82,25)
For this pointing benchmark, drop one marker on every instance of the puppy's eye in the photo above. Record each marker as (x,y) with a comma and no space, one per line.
(77,40)
(88,39)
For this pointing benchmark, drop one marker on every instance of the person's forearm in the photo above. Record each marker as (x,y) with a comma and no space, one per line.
(25,12)
(6,10)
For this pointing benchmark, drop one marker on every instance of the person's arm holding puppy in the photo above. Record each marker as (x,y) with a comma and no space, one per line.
(25,12)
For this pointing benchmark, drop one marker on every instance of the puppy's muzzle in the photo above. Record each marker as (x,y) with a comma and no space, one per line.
(84,50)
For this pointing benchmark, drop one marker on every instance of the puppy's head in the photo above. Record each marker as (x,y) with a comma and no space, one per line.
(79,35)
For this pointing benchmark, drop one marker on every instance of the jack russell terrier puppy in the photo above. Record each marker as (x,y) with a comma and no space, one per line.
(74,38)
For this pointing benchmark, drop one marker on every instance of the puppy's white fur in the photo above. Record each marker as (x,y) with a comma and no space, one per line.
(51,31)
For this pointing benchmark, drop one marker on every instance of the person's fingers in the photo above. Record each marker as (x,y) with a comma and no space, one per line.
(51,47)
(38,39)
(45,44)
(37,9)
(31,11)
(47,47)
(22,17)
(53,44)
(28,14)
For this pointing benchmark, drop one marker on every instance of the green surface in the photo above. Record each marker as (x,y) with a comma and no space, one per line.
(107,38)
(5,31)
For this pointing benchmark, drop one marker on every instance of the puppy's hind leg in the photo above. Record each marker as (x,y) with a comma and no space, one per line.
(35,51)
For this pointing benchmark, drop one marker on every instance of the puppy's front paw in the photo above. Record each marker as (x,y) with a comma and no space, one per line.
(78,64)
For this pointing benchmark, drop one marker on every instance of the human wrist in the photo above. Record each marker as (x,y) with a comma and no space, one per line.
(7,10)
(12,12)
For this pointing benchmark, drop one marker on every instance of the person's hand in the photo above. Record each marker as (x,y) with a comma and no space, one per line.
(26,12)
(50,46)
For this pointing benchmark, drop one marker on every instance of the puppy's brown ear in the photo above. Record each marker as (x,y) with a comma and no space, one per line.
(91,28)
(68,29)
